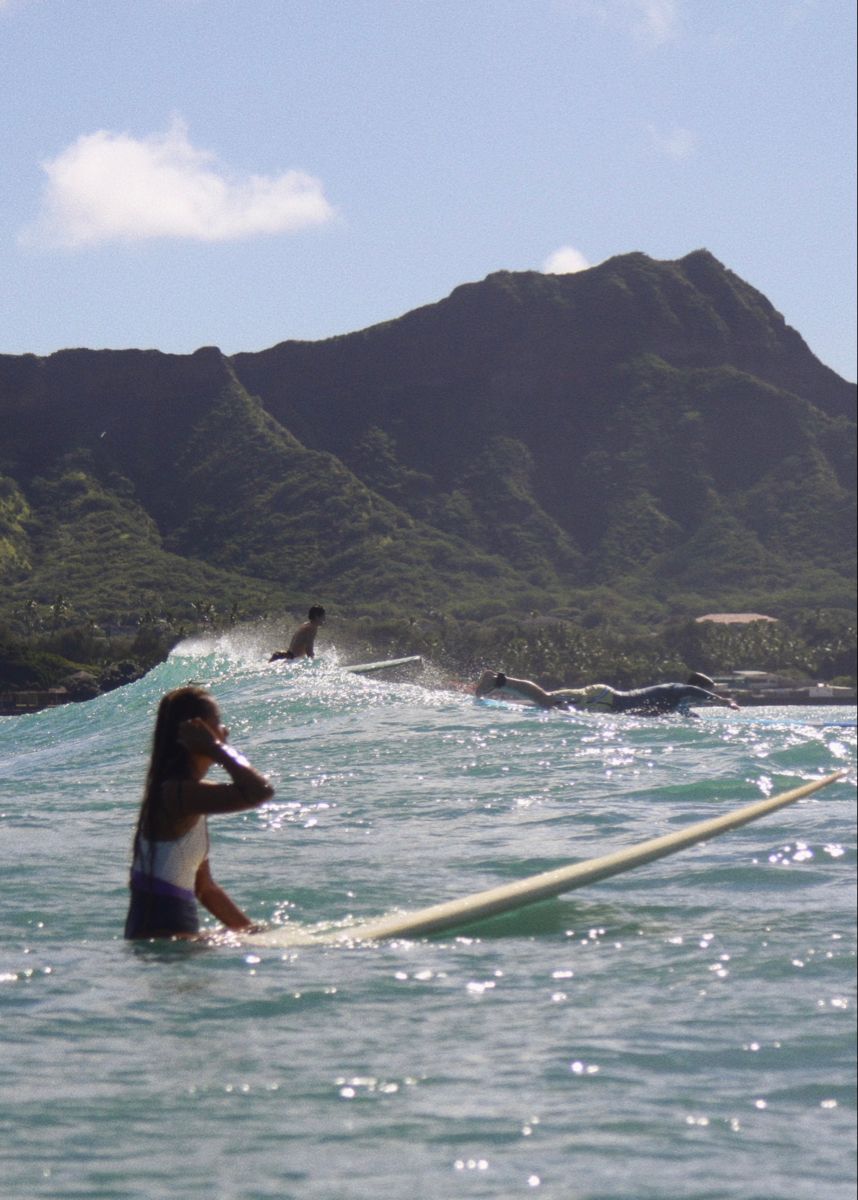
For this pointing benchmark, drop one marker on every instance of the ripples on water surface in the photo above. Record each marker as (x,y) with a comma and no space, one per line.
(682,1031)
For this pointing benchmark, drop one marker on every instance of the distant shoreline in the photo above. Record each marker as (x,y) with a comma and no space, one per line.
(22,703)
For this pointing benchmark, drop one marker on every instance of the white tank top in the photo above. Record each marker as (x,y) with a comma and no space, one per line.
(177,861)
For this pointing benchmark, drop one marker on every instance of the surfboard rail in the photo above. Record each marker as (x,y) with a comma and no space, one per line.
(470,909)
(494,901)
(388,664)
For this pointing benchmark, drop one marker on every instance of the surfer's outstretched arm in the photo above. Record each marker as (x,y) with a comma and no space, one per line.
(705,698)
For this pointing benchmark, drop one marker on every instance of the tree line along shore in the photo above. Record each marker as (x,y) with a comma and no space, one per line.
(808,659)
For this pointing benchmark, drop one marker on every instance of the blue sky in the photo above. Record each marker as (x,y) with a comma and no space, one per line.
(180,173)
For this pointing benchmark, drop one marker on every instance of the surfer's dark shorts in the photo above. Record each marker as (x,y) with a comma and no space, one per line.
(151,915)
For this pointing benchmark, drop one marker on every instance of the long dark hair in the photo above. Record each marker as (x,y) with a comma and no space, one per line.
(169,758)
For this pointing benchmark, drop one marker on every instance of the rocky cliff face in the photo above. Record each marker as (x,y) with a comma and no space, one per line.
(642,425)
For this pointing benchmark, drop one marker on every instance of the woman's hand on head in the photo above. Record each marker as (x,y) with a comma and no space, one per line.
(197,737)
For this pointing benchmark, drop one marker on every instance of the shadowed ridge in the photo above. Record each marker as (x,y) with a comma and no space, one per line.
(650,428)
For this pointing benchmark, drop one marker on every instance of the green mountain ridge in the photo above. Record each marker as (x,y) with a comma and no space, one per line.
(650,429)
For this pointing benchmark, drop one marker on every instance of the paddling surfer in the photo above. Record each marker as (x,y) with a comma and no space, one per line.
(170,869)
(304,637)
(599,697)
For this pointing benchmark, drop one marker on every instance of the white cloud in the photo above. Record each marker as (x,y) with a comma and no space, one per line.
(800,11)
(656,21)
(677,143)
(114,187)
(652,22)
(565,261)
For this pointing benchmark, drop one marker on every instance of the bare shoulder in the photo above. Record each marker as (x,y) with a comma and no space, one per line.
(185,799)
(178,813)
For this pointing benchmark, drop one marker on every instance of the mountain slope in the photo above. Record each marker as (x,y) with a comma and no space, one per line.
(640,391)
(651,427)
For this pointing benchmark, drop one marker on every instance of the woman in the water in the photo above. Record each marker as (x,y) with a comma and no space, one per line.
(170,868)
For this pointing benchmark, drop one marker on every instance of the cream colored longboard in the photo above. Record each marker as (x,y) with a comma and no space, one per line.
(480,905)
(388,664)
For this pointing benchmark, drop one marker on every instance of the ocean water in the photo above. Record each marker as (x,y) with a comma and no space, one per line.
(686,1030)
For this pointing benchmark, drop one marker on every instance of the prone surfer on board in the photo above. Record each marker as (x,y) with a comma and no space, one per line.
(599,697)
(170,869)
(304,637)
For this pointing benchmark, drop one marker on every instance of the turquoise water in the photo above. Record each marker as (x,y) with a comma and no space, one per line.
(685,1030)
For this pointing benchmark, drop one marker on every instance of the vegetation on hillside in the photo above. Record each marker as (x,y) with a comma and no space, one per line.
(616,451)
